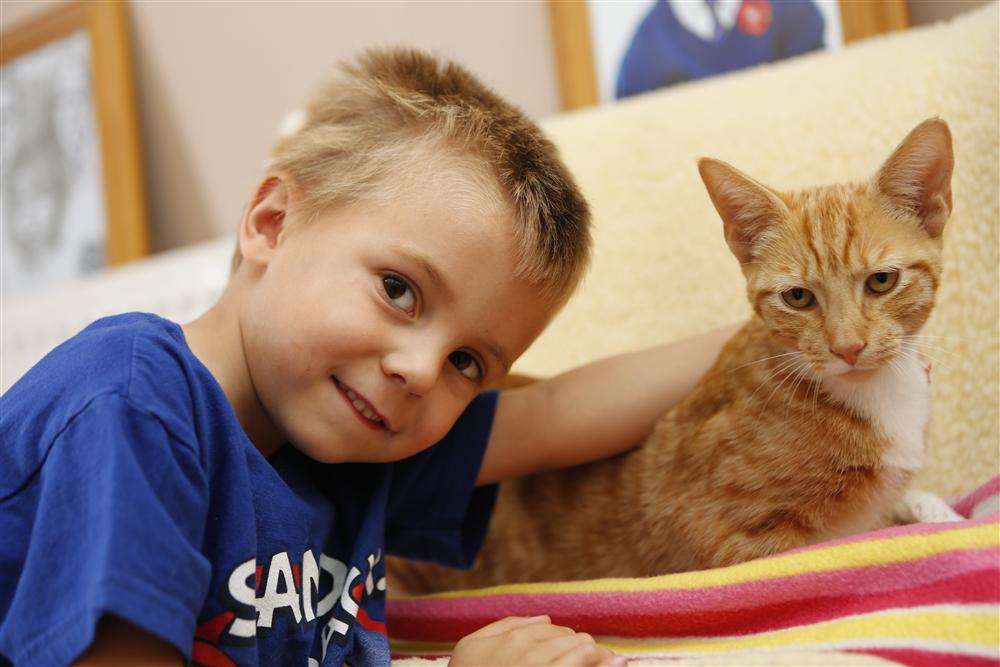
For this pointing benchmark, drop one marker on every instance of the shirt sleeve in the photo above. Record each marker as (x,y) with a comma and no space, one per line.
(116,515)
(436,512)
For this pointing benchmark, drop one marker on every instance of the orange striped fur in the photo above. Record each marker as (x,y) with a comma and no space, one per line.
(810,423)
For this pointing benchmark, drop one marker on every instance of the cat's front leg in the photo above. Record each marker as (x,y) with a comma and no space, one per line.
(918,506)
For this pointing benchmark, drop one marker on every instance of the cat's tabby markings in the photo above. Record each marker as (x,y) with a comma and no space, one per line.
(809,425)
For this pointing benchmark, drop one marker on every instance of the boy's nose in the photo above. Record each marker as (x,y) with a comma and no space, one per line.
(416,372)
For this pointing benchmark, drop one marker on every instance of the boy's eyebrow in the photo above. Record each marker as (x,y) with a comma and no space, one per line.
(428,268)
(424,263)
(499,355)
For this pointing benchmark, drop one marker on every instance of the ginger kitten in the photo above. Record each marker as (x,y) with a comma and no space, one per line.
(807,428)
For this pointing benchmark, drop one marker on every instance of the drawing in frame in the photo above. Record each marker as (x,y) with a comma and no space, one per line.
(72,187)
(607,50)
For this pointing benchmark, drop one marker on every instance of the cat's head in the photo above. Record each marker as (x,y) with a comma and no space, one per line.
(843,274)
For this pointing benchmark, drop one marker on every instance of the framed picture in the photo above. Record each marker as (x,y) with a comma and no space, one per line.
(609,49)
(72,188)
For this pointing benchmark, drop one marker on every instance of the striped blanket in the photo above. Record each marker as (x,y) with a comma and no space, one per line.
(925,594)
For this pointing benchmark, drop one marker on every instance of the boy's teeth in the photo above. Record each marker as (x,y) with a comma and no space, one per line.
(362,406)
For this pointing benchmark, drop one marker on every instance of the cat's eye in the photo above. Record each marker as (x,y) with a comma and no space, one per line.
(399,292)
(466,364)
(798,297)
(882,282)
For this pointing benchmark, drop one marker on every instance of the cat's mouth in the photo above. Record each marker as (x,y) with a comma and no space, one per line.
(860,371)
(858,374)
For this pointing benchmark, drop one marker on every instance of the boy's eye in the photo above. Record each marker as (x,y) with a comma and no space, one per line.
(466,364)
(399,292)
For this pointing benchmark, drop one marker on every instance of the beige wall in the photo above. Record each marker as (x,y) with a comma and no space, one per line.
(214,80)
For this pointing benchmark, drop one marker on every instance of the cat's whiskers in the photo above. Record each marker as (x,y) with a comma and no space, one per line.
(784,365)
(895,365)
(803,373)
(818,386)
(922,336)
(918,349)
(791,374)
(922,345)
(760,361)
(938,362)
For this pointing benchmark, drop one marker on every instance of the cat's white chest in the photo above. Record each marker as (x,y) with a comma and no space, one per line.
(897,400)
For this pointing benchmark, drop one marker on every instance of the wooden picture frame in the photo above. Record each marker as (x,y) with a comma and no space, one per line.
(114,112)
(575,64)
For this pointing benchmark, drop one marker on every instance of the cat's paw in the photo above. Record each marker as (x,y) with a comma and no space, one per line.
(918,506)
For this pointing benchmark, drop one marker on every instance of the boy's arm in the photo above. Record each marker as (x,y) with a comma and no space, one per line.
(119,643)
(594,411)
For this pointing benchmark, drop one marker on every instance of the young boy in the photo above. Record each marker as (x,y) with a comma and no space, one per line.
(226,491)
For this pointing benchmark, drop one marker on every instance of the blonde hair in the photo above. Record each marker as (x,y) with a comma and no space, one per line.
(391,110)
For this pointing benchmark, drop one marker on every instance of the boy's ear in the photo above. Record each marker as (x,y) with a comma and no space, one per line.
(264,220)
(917,176)
(747,208)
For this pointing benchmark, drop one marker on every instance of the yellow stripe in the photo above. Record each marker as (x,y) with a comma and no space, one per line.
(958,626)
(837,557)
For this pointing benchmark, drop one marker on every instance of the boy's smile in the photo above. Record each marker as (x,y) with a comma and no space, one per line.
(368,415)
(367,331)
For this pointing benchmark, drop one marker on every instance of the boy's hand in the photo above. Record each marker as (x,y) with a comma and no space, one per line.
(530,641)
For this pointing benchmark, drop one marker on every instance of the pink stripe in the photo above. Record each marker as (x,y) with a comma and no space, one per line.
(752,617)
(969,502)
(862,580)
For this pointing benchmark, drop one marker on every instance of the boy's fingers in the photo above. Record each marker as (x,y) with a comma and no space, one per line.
(507,624)
(588,654)
(536,632)
(614,661)
(554,649)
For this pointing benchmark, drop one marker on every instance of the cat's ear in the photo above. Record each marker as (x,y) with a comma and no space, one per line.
(747,208)
(917,176)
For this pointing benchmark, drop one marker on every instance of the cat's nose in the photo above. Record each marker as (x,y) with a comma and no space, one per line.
(849,352)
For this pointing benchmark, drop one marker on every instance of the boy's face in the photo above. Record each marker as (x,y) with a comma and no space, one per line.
(371,328)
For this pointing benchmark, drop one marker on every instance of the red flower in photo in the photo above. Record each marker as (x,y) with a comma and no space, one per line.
(754,17)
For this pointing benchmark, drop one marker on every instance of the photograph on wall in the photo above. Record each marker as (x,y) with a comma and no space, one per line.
(51,191)
(645,45)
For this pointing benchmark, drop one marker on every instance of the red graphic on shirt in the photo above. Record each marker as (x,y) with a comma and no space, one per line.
(366,621)
(754,17)
(205,652)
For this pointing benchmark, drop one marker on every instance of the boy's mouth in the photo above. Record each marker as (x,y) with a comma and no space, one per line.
(368,415)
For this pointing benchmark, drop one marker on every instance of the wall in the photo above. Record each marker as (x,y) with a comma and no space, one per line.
(214,80)
(923,12)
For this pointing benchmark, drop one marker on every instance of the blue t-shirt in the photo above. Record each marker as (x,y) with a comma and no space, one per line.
(128,487)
